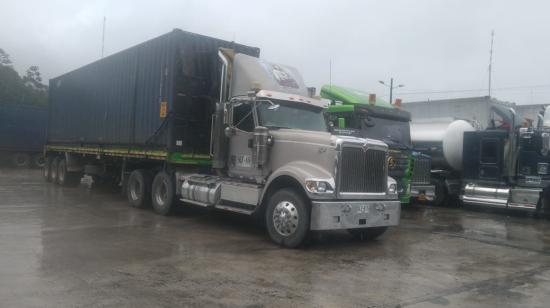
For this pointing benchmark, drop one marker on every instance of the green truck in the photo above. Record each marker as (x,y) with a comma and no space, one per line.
(359,114)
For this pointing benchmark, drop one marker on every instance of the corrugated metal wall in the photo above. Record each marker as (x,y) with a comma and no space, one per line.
(116,100)
(22,128)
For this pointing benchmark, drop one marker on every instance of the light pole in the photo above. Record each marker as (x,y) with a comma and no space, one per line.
(391,87)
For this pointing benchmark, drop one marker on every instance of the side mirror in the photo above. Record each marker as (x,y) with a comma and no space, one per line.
(331,126)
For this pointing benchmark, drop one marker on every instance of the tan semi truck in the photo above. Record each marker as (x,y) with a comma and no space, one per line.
(221,129)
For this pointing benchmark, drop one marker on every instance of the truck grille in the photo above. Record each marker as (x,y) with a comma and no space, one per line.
(363,171)
(421,171)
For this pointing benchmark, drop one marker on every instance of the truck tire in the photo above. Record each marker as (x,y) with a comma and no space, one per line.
(54,170)
(47,169)
(138,190)
(163,194)
(66,178)
(38,160)
(367,234)
(21,160)
(441,195)
(287,218)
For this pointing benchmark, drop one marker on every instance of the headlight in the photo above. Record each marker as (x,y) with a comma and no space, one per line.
(392,186)
(314,186)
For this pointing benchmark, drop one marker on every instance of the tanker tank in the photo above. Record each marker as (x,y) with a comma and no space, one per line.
(442,139)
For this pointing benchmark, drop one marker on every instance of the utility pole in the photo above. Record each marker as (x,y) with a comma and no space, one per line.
(330,73)
(391,87)
(103,37)
(491,61)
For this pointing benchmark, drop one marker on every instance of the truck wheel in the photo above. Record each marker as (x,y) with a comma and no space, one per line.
(367,234)
(287,218)
(66,178)
(441,196)
(47,169)
(21,160)
(138,190)
(163,194)
(54,170)
(38,160)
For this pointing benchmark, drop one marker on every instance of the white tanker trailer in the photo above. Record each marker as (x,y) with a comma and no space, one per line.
(442,139)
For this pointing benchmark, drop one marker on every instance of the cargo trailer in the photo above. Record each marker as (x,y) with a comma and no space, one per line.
(22,134)
(194,119)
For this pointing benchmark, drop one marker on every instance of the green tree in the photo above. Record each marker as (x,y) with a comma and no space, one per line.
(4,58)
(16,90)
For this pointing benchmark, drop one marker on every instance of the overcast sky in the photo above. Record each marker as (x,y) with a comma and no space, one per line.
(427,45)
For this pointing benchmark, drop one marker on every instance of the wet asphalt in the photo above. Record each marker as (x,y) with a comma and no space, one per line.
(82,247)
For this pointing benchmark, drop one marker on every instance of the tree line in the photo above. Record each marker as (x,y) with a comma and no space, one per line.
(16,89)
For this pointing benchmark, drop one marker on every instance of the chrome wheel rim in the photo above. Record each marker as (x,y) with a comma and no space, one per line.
(135,190)
(162,194)
(285,218)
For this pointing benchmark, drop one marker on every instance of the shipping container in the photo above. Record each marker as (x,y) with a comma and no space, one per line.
(158,95)
(22,133)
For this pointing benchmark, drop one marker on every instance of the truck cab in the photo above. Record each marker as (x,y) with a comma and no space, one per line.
(273,154)
(506,165)
(359,114)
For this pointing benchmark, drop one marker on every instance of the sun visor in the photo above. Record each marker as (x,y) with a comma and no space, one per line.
(253,73)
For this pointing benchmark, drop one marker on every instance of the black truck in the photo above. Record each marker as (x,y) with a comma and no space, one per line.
(507,164)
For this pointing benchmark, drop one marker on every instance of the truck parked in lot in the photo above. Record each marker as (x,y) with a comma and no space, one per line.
(496,161)
(360,114)
(437,129)
(185,117)
(22,134)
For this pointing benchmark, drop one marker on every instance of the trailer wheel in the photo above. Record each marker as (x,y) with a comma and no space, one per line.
(163,194)
(54,170)
(47,169)
(138,190)
(21,160)
(287,218)
(66,178)
(367,234)
(38,160)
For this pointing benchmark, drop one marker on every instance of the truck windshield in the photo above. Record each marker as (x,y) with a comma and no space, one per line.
(282,114)
(394,133)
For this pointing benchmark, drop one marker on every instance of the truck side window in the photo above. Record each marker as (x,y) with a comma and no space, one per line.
(242,117)
(489,151)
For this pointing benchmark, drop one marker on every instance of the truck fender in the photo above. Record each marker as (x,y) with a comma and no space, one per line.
(294,174)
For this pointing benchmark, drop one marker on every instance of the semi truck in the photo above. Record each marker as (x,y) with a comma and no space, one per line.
(186,118)
(360,114)
(22,135)
(506,165)
(496,161)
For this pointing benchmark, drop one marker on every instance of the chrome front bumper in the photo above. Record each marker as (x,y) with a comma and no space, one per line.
(423,192)
(334,215)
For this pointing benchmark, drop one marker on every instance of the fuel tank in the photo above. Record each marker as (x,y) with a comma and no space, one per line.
(442,139)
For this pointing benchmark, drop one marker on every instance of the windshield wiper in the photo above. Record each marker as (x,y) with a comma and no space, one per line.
(277,127)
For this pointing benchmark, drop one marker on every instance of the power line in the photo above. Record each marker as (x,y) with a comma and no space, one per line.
(475,90)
